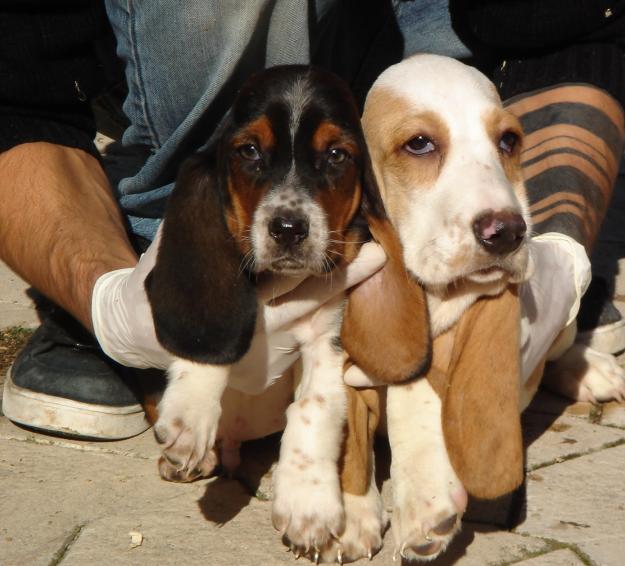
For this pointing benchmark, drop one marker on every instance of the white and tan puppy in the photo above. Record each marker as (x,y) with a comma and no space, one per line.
(446,155)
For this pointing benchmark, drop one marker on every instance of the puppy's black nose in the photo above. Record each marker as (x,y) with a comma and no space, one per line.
(499,233)
(288,230)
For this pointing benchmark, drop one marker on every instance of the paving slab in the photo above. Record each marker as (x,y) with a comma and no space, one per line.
(78,507)
(581,502)
(551,440)
(16,307)
(562,557)
(613,414)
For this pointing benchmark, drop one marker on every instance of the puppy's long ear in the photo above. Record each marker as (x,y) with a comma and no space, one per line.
(385,325)
(480,395)
(204,306)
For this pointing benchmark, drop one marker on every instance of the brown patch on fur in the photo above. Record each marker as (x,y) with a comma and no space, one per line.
(340,203)
(329,134)
(245,197)
(389,122)
(305,420)
(497,122)
(385,325)
(259,132)
(478,379)
(319,398)
(244,193)
(341,200)
(363,416)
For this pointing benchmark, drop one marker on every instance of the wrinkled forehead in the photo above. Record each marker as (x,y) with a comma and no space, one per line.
(458,94)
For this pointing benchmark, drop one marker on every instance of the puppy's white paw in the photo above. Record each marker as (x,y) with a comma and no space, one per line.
(584,374)
(307,505)
(187,424)
(365,524)
(428,511)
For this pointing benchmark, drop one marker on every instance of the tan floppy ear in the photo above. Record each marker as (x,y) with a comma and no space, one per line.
(480,396)
(203,304)
(385,325)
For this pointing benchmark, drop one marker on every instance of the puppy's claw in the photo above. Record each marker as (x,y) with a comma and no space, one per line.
(370,555)
(339,556)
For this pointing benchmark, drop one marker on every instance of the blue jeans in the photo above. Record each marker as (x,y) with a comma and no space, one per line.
(185,59)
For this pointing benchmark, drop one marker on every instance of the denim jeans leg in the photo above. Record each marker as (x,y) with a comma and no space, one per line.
(184,61)
(426,28)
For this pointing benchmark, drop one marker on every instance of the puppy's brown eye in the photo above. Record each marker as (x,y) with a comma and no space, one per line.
(249,151)
(420,145)
(337,155)
(508,142)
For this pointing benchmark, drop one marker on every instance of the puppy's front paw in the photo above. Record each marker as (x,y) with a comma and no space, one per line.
(423,527)
(584,374)
(187,425)
(307,505)
(365,524)
(429,503)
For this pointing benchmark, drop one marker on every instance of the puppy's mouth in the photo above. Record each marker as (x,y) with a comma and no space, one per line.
(512,269)
(488,274)
(289,265)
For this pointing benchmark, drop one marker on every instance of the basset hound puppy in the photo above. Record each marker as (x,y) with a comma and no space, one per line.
(285,190)
(446,156)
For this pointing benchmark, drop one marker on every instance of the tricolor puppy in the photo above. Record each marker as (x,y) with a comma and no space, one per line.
(286,189)
(446,155)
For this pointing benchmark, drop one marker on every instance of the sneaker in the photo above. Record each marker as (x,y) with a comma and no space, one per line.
(600,325)
(63,384)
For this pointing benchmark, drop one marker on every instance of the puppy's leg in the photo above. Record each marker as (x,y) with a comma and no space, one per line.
(188,417)
(308,506)
(428,497)
(365,517)
(365,523)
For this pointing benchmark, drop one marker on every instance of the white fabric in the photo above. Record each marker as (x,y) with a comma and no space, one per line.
(550,299)
(123,324)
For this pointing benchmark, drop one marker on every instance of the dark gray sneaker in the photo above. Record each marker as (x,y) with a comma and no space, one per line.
(62,383)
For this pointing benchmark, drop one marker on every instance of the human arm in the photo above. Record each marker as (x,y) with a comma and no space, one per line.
(60,227)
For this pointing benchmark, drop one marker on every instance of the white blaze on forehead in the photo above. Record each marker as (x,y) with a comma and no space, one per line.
(450,83)
(297,98)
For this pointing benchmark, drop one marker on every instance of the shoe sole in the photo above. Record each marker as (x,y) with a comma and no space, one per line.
(66,417)
(609,339)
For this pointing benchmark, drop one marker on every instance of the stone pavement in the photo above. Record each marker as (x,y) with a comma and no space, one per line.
(77,503)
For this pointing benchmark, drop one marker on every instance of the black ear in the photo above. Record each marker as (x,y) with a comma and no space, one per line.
(203,303)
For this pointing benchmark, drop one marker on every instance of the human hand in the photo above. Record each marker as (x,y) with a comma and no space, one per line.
(551,296)
(124,327)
